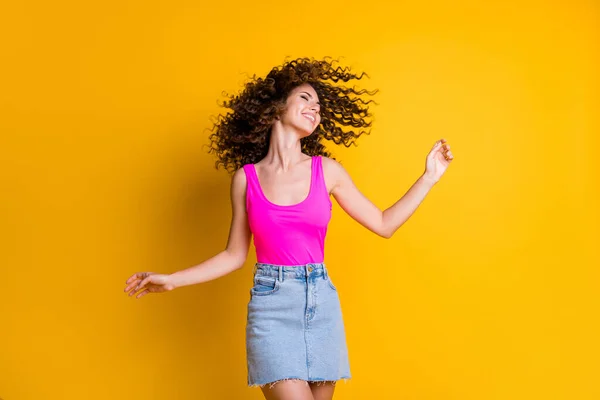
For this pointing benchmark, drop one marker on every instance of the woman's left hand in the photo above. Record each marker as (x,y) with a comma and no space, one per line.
(438,160)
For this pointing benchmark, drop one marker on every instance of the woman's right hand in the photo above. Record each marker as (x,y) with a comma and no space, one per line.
(148,282)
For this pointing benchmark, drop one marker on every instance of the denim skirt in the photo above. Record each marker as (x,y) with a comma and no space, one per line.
(294,328)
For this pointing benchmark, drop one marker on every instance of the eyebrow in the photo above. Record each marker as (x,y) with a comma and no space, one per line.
(311,96)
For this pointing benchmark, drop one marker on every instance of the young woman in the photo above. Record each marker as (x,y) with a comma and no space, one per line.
(282,181)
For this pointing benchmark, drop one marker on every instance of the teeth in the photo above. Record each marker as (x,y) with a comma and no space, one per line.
(310,116)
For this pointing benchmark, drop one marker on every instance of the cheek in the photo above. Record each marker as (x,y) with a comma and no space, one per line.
(292,115)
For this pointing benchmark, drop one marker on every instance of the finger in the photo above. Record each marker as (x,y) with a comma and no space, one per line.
(438,149)
(132,277)
(145,292)
(132,285)
(144,282)
(434,150)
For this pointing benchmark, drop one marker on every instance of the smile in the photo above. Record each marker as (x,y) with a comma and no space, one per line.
(309,117)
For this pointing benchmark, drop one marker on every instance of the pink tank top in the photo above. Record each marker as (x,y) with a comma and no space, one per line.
(289,235)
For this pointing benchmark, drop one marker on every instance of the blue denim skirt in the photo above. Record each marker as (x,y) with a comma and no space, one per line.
(294,328)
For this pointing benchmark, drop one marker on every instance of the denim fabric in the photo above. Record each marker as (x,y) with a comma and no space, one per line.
(294,327)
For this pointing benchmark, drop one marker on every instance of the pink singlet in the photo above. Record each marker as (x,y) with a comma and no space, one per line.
(289,235)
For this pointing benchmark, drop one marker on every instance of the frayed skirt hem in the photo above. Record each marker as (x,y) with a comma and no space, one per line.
(317,381)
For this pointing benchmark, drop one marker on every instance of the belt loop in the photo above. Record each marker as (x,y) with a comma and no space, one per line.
(280,273)
(324,272)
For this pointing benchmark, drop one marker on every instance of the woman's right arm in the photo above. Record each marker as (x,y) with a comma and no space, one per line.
(235,254)
(228,260)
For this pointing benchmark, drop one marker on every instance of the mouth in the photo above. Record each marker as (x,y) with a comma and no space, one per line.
(310,117)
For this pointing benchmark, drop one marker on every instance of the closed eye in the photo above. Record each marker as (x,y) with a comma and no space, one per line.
(319,104)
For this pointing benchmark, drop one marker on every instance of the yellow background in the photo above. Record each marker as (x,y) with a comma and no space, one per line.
(489,291)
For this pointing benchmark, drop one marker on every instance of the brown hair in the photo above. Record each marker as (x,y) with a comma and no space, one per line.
(242,136)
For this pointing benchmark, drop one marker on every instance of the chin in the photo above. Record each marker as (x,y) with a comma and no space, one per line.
(302,132)
(306,134)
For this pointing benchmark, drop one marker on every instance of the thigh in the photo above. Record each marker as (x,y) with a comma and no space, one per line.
(289,389)
(322,390)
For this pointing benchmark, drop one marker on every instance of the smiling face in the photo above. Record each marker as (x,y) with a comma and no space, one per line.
(302,110)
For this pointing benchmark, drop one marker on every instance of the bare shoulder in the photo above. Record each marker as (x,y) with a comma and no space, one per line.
(334,172)
(238,181)
(332,167)
(239,176)
(330,163)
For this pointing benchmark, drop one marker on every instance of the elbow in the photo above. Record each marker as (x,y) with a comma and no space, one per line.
(242,260)
(386,234)
(385,231)
(237,260)
(239,264)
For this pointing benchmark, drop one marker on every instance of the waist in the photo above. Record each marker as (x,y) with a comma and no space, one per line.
(301,271)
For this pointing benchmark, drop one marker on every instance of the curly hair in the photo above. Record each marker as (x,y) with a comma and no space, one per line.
(242,136)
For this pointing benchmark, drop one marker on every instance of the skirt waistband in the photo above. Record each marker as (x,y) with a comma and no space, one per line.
(290,271)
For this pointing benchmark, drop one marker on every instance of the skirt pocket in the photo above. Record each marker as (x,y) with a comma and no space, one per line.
(264,286)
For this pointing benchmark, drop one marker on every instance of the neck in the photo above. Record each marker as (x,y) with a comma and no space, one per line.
(285,149)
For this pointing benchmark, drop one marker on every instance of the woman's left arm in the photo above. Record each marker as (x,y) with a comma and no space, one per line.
(385,223)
